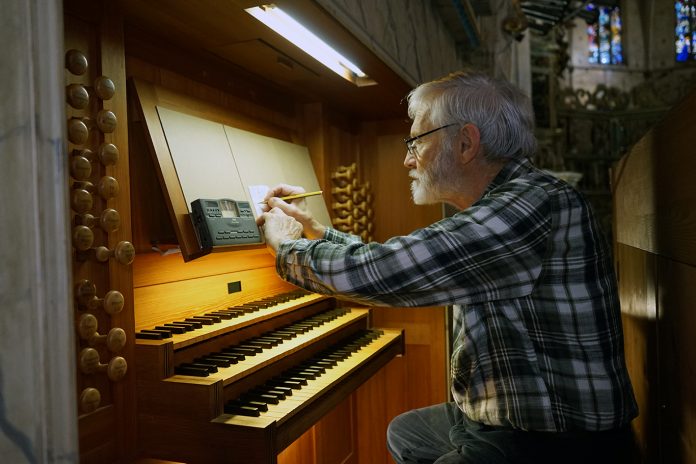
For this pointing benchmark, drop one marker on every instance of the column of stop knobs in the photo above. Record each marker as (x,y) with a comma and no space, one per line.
(86,131)
(351,203)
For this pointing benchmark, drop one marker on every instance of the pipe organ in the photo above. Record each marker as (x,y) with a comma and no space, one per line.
(192,356)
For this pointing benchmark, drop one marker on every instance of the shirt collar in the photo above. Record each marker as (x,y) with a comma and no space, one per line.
(511,170)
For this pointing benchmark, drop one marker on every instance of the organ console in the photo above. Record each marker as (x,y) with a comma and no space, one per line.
(240,382)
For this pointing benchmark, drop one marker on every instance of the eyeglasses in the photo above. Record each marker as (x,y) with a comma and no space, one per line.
(411,143)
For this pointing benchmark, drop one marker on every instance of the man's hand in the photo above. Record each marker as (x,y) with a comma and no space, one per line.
(296,209)
(279,227)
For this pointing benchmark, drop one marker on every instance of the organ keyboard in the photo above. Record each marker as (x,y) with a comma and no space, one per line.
(240,383)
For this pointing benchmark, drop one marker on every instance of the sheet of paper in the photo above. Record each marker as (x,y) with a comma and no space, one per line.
(257,193)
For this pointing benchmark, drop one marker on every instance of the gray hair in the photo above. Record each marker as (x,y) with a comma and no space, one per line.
(502,113)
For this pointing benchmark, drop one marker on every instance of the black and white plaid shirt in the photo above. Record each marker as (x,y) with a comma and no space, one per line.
(538,339)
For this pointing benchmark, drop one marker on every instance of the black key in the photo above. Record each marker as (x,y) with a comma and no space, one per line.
(250,411)
(240,350)
(219,362)
(196,324)
(254,348)
(202,319)
(257,342)
(174,329)
(285,383)
(148,336)
(191,370)
(211,367)
(186,325)
(257,404)
(304,374)
(163,333)
(231,358)
(262,397)
(273,391)
(220,315)
(254,404)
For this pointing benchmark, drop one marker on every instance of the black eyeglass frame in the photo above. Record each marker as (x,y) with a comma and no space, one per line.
(410,145)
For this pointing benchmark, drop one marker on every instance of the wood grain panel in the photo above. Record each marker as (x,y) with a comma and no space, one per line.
(153,268)
(636,272)
(654,188)
(417,379)
(677,361)
(176,300)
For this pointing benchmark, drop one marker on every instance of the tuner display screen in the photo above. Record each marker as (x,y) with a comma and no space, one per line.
(228,208)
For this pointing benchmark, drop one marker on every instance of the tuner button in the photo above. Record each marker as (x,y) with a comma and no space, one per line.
(106,121)
(76,62)
(85,291)
(77,96)
(83,238)
(77,131)
(108,187)
(108,154)
(116,339)
(113,302)
(104,87)
(117,368)
(89,361)
(90,398)
(110,220)
(80,167)
(87,326)
(125,252)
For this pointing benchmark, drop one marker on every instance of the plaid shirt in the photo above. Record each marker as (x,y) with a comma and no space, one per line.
(537,326)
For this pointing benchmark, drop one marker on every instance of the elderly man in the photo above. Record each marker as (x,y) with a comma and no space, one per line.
(538,369)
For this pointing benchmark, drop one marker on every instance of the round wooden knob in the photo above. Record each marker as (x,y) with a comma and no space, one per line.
(108,187)
(89,361)
(82,238)
(80,167)
(104,87)
(108,154)
(87,326)
(81,200)
(77,96)
(77,131)
(90,398)
(116,339)
(123,251)
(85,291)
(106,121)
(112,302)
(76,62)
(110,220)
(117,368)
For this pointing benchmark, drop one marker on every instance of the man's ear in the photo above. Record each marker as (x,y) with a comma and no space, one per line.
(469,142)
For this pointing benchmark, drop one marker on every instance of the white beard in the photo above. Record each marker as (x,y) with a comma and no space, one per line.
(423,189)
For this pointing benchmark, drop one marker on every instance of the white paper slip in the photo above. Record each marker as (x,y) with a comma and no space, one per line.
(257,194)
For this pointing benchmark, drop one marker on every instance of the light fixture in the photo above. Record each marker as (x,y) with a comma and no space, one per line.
(286,26)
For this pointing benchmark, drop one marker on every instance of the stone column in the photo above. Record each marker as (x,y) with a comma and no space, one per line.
(38,411)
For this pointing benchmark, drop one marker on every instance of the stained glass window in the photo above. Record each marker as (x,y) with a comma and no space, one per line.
(604,36)
(685,32)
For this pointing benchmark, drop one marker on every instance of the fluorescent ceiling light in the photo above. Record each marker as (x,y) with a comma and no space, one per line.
(285,25)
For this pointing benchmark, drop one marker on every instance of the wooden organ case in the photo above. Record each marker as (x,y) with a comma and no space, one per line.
(225,361)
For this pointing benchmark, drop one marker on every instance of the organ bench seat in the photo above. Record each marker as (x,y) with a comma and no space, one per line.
(240,389)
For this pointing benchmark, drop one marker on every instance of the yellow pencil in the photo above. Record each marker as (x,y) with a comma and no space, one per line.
(298,195)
